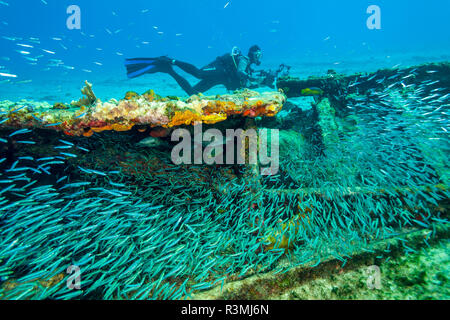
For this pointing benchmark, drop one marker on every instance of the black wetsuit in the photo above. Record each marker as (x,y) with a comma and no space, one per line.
(234,72)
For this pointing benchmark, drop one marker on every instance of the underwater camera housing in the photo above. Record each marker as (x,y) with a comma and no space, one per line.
(271,77)
(283,70)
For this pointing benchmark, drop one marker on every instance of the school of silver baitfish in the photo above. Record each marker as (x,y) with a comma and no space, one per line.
(169,232)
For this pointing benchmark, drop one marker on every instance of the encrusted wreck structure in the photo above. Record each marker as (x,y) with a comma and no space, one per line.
(89,115)
(363,167)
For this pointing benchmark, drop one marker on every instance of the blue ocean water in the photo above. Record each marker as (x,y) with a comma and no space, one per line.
(311,36)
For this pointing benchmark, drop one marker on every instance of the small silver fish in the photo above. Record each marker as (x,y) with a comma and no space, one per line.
(151,142)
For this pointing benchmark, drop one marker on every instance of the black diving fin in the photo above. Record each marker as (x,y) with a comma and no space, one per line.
(139,66)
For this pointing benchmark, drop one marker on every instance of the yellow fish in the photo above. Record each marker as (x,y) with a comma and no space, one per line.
(312,92)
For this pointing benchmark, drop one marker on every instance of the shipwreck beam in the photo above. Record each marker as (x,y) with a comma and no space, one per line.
(90,115)
(334,84)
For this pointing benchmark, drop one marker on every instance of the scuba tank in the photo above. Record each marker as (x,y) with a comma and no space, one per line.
(229,62)
(235,52)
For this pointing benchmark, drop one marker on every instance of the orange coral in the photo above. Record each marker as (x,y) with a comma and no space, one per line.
(214,118)
(68,133)
(188,117)
(220,107)
(88,134)
(148,110)
(101,129)
(116,127)
(184,118)
(249,113)
(122,127)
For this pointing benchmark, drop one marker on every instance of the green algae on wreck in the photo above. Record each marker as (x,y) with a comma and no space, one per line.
(419,275)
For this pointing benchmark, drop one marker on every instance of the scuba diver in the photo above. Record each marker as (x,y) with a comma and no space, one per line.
(234,71)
